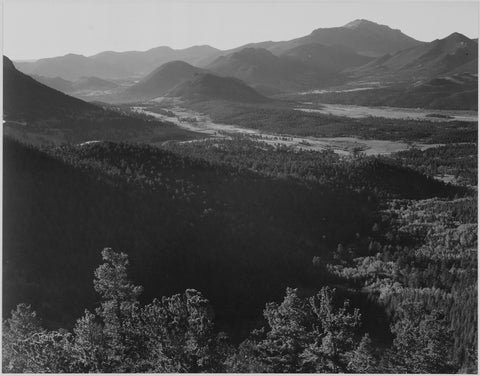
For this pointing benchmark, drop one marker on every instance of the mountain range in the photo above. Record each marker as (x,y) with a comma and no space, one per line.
(363,37)
(356,53)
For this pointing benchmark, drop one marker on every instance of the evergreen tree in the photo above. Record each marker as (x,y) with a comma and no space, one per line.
(422,344)
(306,335)
(118,312)
(280,350)
(362,360)
(174,334)
(27,347)
(333,334)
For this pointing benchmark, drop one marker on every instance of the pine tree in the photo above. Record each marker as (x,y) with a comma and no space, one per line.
(17,331)
(362,359)
(27,347)
(174,334)
(119,312)
(306,335)
(422,343)
(180,334)
(280,350)
(333,332)
(90,345)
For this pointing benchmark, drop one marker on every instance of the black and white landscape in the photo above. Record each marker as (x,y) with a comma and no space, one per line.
(300,206)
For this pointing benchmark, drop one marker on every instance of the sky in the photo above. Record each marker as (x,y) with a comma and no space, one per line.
(34,29)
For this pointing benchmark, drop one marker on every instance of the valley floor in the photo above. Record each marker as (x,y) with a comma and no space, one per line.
(201,123)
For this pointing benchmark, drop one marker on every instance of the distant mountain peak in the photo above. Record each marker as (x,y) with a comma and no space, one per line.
(360,23)
(366,24)
(356,23)
(457,37)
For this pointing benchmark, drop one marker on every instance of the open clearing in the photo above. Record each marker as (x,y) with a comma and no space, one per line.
(358,112)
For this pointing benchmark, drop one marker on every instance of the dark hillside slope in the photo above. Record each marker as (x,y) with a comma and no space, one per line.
(27,99)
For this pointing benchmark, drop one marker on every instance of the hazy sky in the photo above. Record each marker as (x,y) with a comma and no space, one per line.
(44,28)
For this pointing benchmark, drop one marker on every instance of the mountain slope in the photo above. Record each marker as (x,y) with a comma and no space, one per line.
(84,84)
(329,58)
(93,83)
(207,86)
(453,92)
(161,80)
(453,54)
(268,73)
(72,67)
(56,83)
(27,99)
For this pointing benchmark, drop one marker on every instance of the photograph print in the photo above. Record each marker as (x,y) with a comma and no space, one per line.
(237,186)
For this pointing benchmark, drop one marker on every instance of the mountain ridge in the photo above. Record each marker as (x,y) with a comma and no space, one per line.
(128,64)
(439,57)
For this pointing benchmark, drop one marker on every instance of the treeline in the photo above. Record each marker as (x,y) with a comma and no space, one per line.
(177,334)
(374,177)
(96,124)
(456,161)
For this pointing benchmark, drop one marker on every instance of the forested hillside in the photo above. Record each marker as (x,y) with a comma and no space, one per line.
(228,218)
